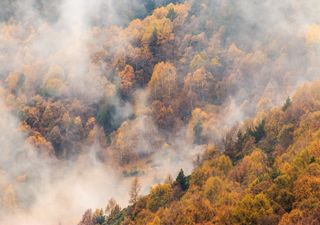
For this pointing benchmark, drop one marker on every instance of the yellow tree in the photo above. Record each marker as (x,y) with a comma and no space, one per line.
(163,84)
(127,80)
(160,196)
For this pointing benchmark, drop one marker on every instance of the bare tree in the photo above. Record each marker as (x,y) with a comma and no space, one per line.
(134,191)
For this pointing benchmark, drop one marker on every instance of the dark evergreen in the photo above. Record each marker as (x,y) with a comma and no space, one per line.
(287,104)
(171,14)
(258,132)
(182,180)
(153,43)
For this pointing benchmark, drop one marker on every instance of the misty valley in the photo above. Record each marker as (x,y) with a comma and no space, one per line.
(159,112)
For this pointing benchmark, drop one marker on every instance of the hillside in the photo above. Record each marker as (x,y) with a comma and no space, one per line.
(96,95)
(268,174)
(164,70)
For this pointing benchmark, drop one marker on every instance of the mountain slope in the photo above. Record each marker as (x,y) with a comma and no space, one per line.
(94,94)
(268,174)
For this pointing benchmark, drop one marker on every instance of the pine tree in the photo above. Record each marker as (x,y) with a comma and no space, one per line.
(258,132)
(182,180)
(171,14)
(197,130)
(287,104)
(153,42)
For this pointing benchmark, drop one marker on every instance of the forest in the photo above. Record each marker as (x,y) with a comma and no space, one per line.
(159,112)
(268,174)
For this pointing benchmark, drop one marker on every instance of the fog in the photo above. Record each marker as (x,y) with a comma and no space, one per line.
(57,39)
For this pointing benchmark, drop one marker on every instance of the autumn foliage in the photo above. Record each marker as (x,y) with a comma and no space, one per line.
(268,183)
(181,76)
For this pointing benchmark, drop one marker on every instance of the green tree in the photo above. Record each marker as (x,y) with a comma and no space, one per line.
(171,14)
(99,217)
(258,132)
(197,130)
(182,180)
(107,117)
(287,104)
(153,43)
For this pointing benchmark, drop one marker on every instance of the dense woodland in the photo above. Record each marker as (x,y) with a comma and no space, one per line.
(174,74)
(175,68)
(268,174)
